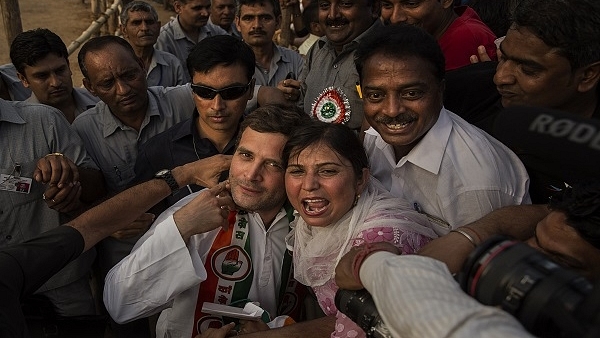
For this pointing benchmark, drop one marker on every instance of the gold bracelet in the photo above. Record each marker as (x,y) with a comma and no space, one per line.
(55,154)
(467,236)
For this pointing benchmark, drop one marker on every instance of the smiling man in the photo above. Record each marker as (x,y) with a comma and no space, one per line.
(448,169)
(185,30)
(42,64)
(140,27)
(187,262)
(329,80)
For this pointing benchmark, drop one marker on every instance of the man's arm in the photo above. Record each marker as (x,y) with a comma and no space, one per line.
(316,328)
(516,221)
(425,300)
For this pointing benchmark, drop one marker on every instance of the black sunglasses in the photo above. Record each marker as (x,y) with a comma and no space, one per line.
(228,93)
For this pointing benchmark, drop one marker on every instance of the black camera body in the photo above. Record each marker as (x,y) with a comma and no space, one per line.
(548,300)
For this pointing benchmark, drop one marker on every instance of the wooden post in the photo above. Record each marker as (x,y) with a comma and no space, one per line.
(11,15)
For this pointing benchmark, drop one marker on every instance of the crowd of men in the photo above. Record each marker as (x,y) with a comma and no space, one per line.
(134,162)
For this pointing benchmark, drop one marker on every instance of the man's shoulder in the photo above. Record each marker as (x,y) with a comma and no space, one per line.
(170,59)
(164,139)
(34,113)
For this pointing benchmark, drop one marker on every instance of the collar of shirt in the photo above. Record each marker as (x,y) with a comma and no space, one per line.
(9,114)
(158,58)
(178,32)
(111,123)
(187,129)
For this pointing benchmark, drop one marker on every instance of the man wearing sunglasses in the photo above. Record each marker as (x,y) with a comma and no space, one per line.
(221,70)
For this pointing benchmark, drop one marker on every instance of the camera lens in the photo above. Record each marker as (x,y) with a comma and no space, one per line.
(525,283)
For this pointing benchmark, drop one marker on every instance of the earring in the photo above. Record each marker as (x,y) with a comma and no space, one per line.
(356,200)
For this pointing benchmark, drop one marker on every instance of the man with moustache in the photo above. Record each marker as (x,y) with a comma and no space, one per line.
(329,82)
(140,27)
(222,14)
(448,169)
(42,62)
(257,20)
(176,267)
(129,114)
(185,30)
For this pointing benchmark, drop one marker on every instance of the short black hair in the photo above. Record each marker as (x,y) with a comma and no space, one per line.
(220,50)
(274,3)
(571,26)
(401,41)
(99,43)
(581,204)
(338,137)
(29,47)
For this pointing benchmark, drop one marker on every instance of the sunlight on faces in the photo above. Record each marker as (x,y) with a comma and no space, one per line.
(427,14)
(257,24)
(218,114)
(256,173)
(49,79)
(531,73)
(118,79)
(193,14)
(222,12)
(141,29)
(344,20)
(554,237)
(402,98)
(321,185)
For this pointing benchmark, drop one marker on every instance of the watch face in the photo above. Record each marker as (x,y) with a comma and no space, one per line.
(162,172)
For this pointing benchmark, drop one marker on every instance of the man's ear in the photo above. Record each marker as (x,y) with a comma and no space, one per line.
(590,75)
(88,85)
(237,22)
(447,3)
(177,6)
(376,9)
(23,80)
(123,31)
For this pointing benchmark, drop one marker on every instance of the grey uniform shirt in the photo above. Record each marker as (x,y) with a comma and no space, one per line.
(325,68)
(114,146)
(172,39)
(284,61)
(165,70)
(84,100)
(28,132)
(16,90)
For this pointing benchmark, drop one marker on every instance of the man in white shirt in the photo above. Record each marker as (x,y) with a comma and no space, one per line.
(175,266)
(451,171)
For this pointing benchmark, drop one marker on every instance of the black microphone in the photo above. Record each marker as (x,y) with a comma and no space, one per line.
(554,144)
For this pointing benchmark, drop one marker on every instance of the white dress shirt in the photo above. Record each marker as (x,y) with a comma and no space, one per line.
(456,174)
(162,273)
(417,297)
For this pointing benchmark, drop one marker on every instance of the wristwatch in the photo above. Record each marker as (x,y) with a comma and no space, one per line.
(165,174)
